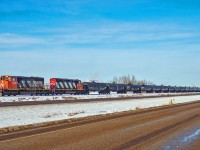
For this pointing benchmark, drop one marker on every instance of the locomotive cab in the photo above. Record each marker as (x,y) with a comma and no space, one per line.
(7,83)
(3,83)
(79,85)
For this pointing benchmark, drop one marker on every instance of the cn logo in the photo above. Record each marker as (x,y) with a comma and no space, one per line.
(53,83)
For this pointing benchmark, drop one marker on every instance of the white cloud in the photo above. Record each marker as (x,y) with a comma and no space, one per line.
(121,32)
(110,33)
(7,39)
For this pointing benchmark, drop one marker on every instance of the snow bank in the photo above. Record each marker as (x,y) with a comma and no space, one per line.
(93,95)
(24,115)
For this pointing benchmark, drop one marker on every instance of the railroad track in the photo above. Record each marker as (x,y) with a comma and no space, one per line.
(131,130)
(26,103)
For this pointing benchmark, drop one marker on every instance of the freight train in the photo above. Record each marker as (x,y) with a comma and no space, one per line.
(19,85)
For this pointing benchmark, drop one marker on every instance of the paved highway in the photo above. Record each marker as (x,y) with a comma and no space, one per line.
(175,127)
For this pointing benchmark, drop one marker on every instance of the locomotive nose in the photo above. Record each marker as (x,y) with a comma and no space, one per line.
(3,84)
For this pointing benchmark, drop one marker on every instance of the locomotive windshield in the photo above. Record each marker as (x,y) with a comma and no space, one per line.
(3,78)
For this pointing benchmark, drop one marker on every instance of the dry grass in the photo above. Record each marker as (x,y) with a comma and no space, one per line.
(51,115)
(75,113)
(69,98)
(137,108)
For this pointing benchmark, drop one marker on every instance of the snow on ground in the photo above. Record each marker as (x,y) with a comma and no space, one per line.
(24,115)
(93,95)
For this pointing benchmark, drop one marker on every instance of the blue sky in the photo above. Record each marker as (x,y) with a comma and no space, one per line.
(91,39)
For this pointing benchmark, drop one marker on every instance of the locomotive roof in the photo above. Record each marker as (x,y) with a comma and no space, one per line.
(23,77)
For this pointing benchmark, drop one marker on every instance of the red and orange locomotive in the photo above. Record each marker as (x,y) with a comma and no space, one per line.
(19,85)
(66,86)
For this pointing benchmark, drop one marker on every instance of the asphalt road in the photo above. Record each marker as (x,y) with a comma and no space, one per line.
(175,127)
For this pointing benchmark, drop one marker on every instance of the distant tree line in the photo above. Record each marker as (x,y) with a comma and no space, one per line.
(130,79)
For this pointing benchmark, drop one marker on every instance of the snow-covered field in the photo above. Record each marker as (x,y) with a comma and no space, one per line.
(93,95)
(24,115)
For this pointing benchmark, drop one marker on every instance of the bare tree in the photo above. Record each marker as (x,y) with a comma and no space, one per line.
(129,79)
